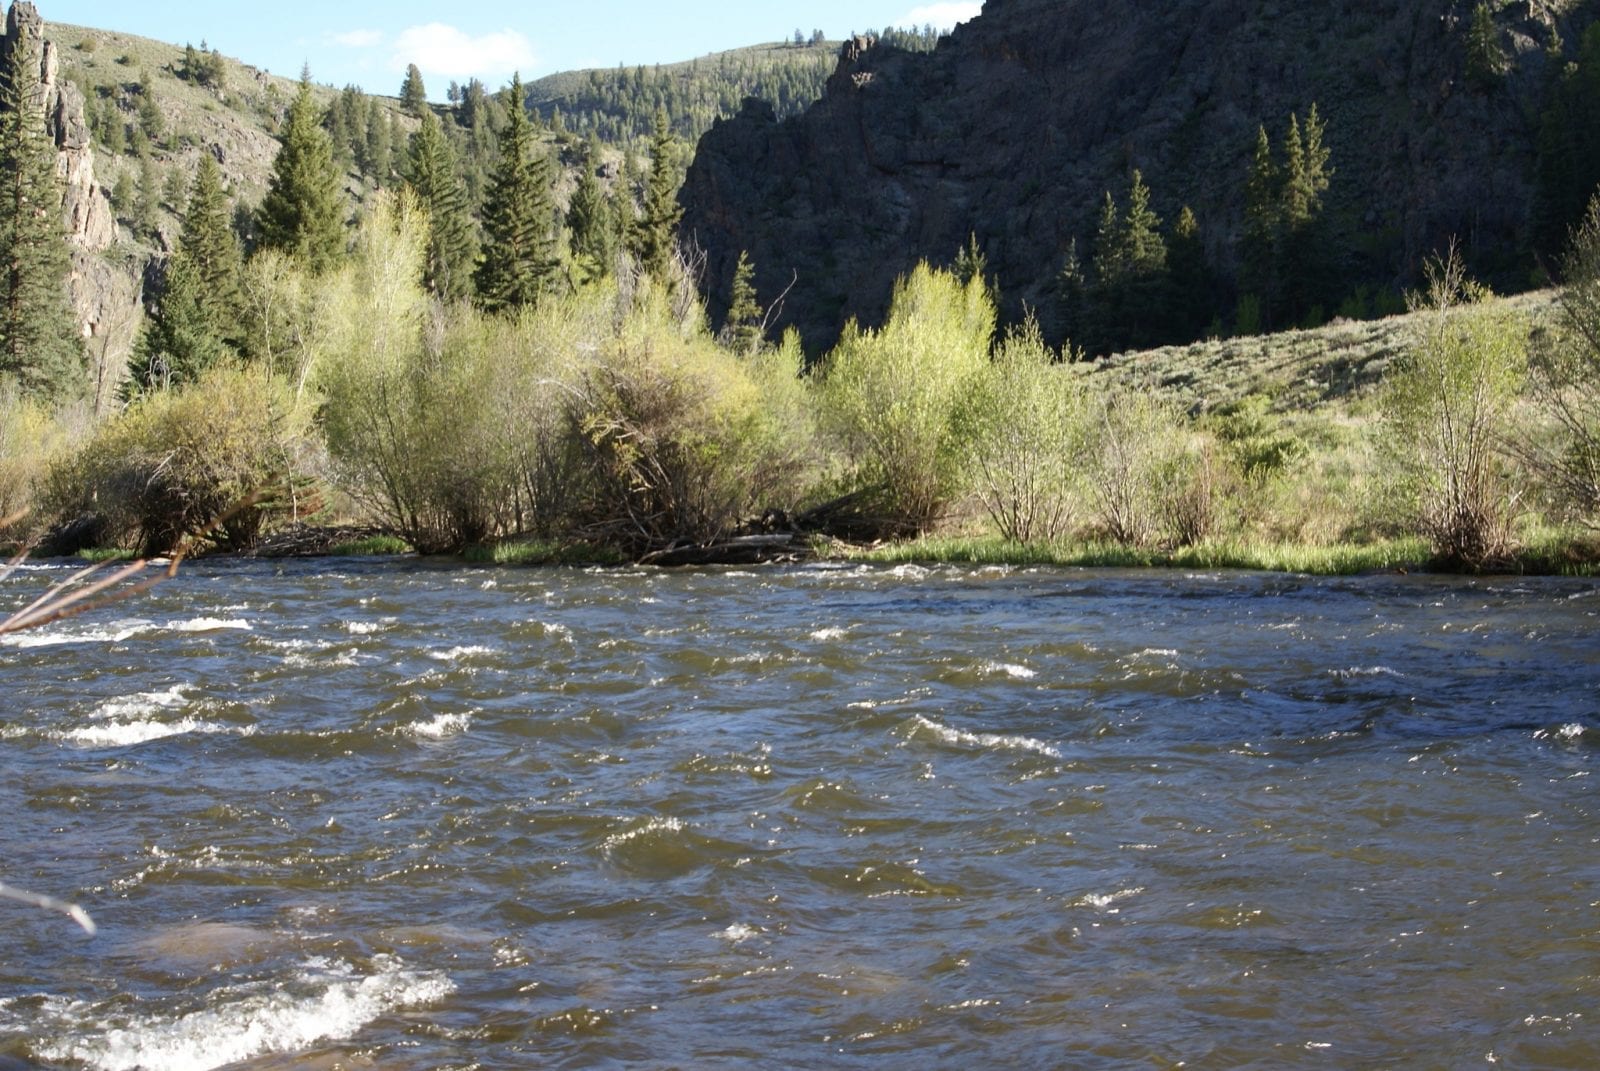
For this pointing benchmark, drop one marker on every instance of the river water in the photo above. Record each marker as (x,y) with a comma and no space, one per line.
(395,815)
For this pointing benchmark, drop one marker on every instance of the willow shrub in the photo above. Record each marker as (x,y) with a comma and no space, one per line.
(408,393)
(1021,425)
(1152,477)
(212,457)
(1448,404)
(1566,378)
(678,444)
(892,398)
(30,436)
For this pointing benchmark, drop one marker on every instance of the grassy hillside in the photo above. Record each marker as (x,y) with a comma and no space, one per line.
(1332,368)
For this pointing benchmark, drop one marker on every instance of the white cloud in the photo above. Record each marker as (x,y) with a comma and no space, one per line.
(944,15)
(446,52)
(359,39)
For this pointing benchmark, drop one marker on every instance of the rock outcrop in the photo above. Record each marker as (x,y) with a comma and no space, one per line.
(105,296)
(1017,125)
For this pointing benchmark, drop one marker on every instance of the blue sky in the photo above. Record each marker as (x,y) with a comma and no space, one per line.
(369,42)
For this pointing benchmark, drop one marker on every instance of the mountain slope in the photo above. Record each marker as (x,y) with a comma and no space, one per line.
(1022,120)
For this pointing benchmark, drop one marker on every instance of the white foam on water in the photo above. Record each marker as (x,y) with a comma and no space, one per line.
(738,933)
(1367,671)
(211,624)
(439,728)
(653,825)
(119,632)
(910,572)
(1105,901)
(1568,733)
(1007,669)
(367,628)
(325,1002)
(828,635)
(129,733)
(142,704)
(987,741)
(456,654)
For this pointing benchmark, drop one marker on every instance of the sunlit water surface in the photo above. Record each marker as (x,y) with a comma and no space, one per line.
(399,816)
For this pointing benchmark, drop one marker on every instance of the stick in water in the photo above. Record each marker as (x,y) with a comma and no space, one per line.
(50,903)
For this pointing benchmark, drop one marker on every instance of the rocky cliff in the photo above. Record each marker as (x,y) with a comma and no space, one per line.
(104,295)
(1017,125)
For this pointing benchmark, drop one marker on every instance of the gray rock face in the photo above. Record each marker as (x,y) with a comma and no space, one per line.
(1017,125)
(105,297)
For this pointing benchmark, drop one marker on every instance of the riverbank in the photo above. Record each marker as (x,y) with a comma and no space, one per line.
(1559,553)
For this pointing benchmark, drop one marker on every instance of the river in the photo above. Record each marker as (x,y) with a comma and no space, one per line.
(405,816)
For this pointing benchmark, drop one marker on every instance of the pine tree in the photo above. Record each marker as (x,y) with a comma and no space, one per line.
(413,96)
(1487,62)
(1302,268)
(39,346)
(147,207)
(431,174)
(743,327)
(1189,303)
(1258,250)
(519,256)
(377,158)
(1146,252)
(655,233)
(1130,273)
(303,212)
(590,228)
(192,325)
(150,118)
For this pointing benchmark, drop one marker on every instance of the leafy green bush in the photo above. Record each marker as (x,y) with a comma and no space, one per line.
(1448,404)
(1566,378)
(678,445)
(30,436)
(1151,477)
(891,396)
(406,392)
(206,458)
(1021,426)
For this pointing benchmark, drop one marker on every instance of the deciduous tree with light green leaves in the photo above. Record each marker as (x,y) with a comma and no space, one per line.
(1448,407)
(892,396)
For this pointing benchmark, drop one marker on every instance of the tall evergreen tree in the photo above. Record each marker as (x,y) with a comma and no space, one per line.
(413,95)
(40,348)
(655,233)
(519,256)
(743,327)
(192,325)
(1303,267)
(377,158)
(431,174)
(1258,248)
(150,117)
(590,228)
(1191,293)
(303,212)
(1130,276)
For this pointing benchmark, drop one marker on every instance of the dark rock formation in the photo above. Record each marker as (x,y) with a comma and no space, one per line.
(1021,120)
